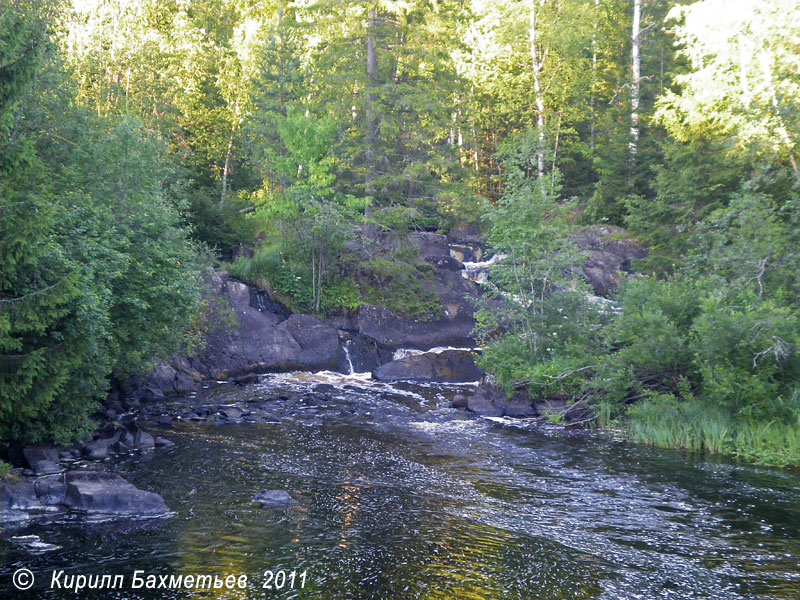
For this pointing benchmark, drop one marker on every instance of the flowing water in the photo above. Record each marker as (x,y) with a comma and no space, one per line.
(399,496)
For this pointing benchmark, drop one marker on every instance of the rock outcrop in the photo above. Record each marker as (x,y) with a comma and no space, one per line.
(448,365)
(490,400)
(103,493)
(257,334)
(89,493)
(260,336)
(609,252)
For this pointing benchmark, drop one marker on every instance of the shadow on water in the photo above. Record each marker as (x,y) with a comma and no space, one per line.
(401,497)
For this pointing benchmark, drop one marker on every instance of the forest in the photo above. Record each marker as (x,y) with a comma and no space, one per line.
(144,143)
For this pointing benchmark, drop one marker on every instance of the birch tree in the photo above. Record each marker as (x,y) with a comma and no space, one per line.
(635,85)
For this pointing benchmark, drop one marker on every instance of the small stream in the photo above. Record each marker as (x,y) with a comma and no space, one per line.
(399,496)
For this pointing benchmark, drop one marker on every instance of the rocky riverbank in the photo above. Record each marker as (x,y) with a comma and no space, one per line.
(59,481)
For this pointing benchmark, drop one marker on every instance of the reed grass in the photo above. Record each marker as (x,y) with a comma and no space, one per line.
(697,426)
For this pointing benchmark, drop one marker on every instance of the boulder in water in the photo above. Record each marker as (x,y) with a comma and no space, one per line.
(448,365)
(274,499)
(105,493)
(490,400)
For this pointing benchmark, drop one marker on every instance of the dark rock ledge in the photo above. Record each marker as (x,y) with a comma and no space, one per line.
(490,400)
(74,480)
(88,493)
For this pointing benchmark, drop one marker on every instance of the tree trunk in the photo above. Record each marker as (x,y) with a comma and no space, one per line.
(371,113)
(227,168)
(635,93)
(537,62)
(592,99)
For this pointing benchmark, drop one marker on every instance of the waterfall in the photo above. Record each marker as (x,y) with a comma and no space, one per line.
(479,271)
(347,354)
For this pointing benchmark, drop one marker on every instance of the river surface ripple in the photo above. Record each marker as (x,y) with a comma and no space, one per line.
(399,496)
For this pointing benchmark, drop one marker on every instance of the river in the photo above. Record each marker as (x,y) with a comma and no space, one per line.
(399,496)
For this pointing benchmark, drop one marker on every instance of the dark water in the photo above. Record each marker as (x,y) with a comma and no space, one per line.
(400,497)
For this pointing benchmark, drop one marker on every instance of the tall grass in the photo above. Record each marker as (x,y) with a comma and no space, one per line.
(697,426)
(691,425)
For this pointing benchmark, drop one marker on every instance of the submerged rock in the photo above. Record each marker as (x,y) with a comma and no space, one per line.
(274,499)
(231,412)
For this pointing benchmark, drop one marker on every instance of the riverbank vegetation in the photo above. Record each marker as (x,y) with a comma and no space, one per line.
(142,142)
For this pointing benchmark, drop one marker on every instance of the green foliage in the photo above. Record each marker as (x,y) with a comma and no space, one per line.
(697,426)
(304,215)
(662,420)
(222,227)
(98,276)
(273,272)
(5,472)
(399,286)
(547,319)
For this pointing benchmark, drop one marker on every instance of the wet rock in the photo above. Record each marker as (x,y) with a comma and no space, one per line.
(447,262)
(231,412)
(459,401)
(274,499)
(46,467)
(164,443)
(16,499)
(110,494)
(143,440)
(98,449)
(520,405)
(119,447)
(324,388)
(450,365)
(490,400)
(50,491)
(486,405)
(248,379)
(364,355)
(165,421)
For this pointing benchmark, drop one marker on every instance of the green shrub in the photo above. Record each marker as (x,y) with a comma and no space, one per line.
(399,286)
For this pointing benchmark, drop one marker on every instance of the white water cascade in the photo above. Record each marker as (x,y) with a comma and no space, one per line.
(347,355)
